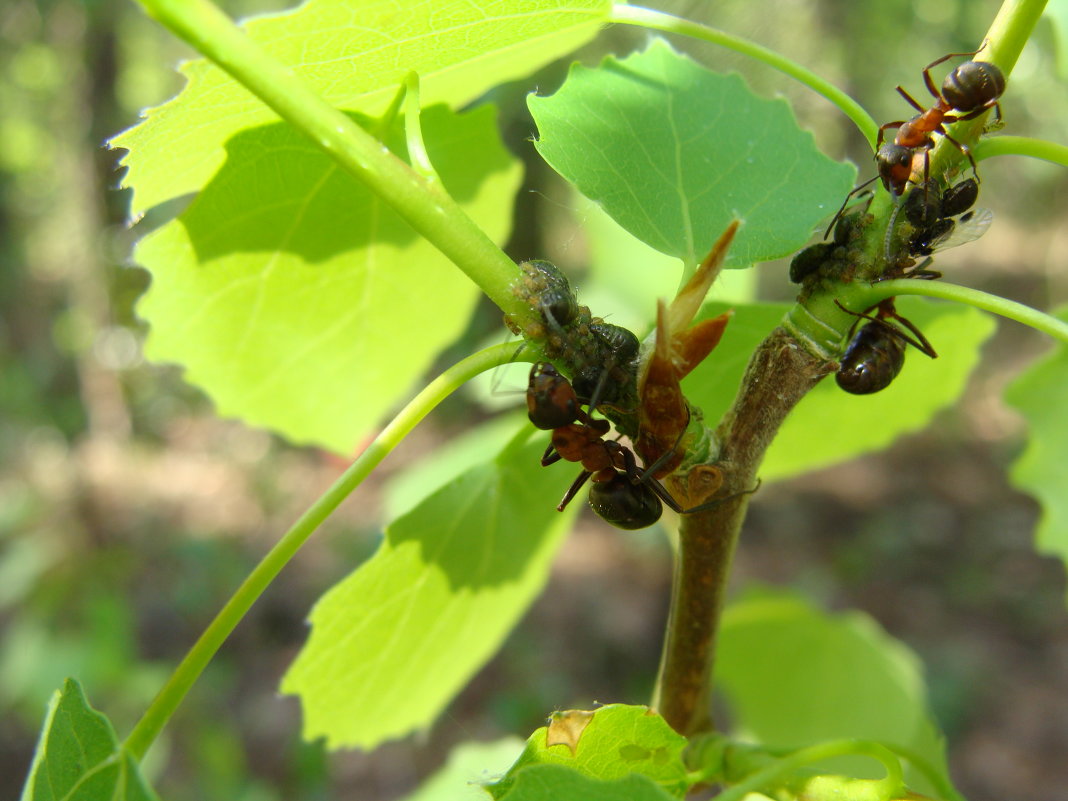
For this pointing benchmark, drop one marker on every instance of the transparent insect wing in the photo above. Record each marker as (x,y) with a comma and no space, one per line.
(969,227)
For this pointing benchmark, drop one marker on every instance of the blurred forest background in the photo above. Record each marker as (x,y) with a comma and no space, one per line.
(129,512)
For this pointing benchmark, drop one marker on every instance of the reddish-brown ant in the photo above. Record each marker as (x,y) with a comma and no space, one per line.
(876,353)
(971,89)
(621,493)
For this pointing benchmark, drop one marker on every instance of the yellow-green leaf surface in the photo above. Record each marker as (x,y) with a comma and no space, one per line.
(559,783)
(470,765)
(829,425)
(795,676)
(610,743)
(79,758)
(396,640)
(674,152)
(299,301)
(1041,395)
(355,53)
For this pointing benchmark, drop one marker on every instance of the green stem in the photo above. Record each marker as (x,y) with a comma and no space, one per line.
(647,18)
(168,699)
(1021,146)
(423,204)
(773,774)
(996,304)
(1005,40)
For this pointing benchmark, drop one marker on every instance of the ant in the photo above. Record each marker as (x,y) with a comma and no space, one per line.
(622,493)
(876,353)
(971,89)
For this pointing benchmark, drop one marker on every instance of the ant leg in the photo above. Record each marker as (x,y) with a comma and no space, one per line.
(572,491)
(882,131)
(551,456)
(922,345)
(845,203)
(920,271)
(713,503)
(931,87)
(966,151)
(647,474)
(911,100)
(981,110)
(859,315)
(925,347)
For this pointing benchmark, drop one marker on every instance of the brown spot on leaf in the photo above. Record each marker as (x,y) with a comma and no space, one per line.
(565,728)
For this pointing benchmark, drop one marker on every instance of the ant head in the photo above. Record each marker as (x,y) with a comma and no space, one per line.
(551,401)
(895,166)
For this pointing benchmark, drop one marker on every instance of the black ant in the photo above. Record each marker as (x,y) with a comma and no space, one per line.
(971,89)
(622,494)
(876,353)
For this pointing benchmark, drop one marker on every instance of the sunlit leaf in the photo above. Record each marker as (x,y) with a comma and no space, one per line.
(79,758)
(559,783)
(673,152)
(355,53)
(795,676)
(470,766)
(393,643)
(297,300)
(1041,394)
(609,743)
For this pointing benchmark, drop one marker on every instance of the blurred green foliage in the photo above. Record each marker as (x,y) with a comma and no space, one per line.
(128,513)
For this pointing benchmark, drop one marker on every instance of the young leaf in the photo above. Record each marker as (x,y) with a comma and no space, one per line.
(79,758)
(610,743)
(795,676)
(392,643)
(674,152)
(831,426)
(559,783)
(297,300)
(356,54)
(1040,394)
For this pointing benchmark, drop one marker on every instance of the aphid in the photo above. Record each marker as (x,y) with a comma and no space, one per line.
(808,261)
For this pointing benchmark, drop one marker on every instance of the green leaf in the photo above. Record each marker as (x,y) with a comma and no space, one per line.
(297,300)
(795,676)
(465,451)
(394,641)
(1040,394)
(558,783)
(355,53)
(612,742)
(79,758)
(831,426)
(470,765)
(674,151)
